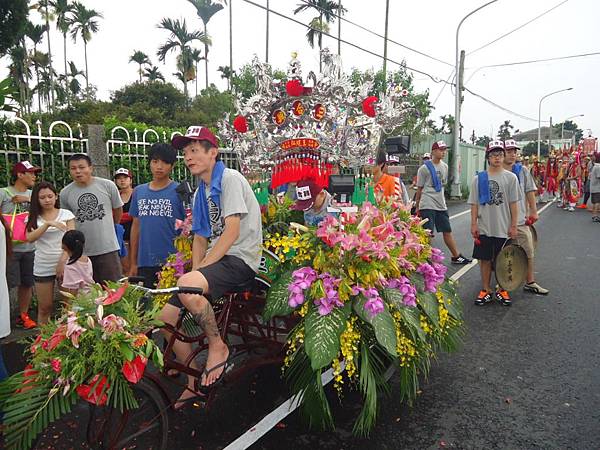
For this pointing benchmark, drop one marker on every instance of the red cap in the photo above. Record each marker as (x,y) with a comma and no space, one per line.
(123,171)
(439,145)
(194,133)
(306,192)
(25,166)
(495,145)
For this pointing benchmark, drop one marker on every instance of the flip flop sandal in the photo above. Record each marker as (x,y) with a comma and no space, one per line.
(199,396)
(227,365)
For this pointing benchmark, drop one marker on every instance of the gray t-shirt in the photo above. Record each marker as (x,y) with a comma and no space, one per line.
(493,219)
(595,179)
(526,184)
(430,199)
(92,206)
(237,197)
(8,207)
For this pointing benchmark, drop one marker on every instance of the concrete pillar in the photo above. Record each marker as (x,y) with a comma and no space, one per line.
(97,151)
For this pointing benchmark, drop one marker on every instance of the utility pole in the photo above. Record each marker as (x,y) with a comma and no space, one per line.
(339,26)
(385,39)
(267,40)
(230,44)
(455,190)
(550,137)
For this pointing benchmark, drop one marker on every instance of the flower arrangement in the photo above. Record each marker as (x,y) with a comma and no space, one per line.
(373,296)
(92,352)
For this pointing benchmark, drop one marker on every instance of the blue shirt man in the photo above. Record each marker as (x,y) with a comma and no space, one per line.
(155,208)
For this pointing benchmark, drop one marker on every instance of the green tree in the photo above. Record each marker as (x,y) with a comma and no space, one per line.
(42,7)
(19,71)
(206,9)
(179,40)
(74,86)
(483,141)
(531,149)
(141,59)
(155,94)
(506,130)
(244,83)
(84,24)
(196,57)
(327,11)
(569,125)
(226,73)
(152,73)
(62,10)
(414,123)
(35,33)
(13,23)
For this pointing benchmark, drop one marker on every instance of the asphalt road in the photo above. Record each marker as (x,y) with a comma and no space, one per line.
(526,376)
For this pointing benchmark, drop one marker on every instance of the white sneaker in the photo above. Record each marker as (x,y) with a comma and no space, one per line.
(571,209)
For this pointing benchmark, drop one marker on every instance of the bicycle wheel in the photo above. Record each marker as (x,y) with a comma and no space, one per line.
(145,427)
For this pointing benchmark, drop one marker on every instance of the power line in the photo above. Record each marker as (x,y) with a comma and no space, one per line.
(379,35)
(358,47)
(540,60)
(518,28)
(501,107)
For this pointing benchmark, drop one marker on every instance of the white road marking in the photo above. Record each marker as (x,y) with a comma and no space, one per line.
(273,418)
(291,404)
(454,216)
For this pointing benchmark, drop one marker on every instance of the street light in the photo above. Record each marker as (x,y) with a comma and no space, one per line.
(455,191)
(562,129)
(540,118)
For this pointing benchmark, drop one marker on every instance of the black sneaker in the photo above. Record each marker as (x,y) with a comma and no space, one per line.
(483,298)
(503,297)
(460,259)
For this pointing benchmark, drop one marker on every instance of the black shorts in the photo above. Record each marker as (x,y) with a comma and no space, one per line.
(488,248)
(19,270)
(228,274)
(440,219)
(45,279)
(596,197)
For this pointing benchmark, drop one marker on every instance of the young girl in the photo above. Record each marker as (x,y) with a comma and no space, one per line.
(46,225)
(78,270)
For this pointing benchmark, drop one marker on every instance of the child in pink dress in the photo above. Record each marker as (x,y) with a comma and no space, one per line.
(78,270)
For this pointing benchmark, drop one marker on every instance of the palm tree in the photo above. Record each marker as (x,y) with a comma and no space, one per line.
(226,73)
(327,10)
(35,33)
(141,59)
(42,7)
(74,85)
(153,74)
(45,86)
(196,57)
(205,9)
(179,39)
(20,72)
(62,10)
(84,24)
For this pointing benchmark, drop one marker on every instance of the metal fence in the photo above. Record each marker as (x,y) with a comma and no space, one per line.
(51,150)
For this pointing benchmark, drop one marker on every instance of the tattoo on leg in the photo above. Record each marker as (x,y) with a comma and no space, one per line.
(206,319)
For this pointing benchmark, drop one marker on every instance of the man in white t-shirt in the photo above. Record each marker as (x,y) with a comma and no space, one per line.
(97,207)
(226,251)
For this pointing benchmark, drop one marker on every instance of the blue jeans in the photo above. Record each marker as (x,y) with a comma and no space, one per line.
(3,372)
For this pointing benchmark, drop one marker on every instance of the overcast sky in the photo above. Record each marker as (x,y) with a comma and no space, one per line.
(426,25)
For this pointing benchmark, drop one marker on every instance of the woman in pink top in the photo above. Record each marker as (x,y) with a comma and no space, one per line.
(78,270)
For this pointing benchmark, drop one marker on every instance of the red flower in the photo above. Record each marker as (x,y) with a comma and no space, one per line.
(294,88)
(368,105)
(133,370)
(55,363)
(59,335)
(36,344)
(29,375)
(115,296)
(240,124)
(91,392)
